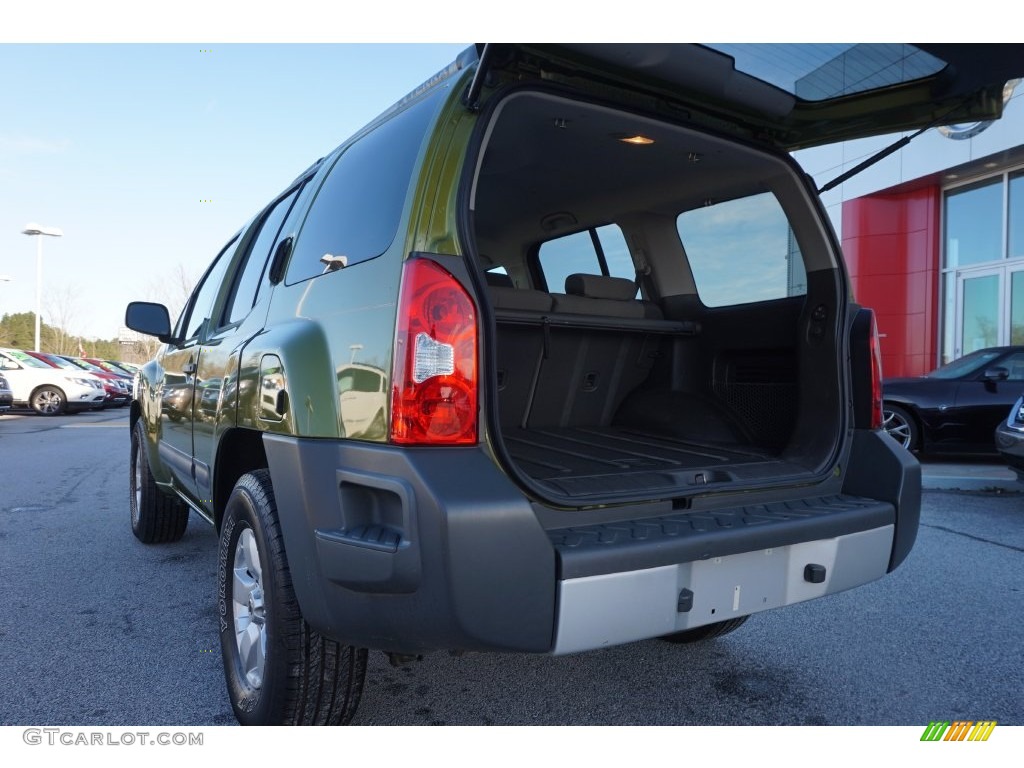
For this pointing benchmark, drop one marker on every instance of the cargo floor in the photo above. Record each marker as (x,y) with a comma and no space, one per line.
(605,461)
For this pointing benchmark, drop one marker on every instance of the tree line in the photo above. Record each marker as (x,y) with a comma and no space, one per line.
(18,331)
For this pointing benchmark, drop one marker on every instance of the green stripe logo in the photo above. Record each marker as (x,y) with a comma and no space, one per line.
(960,730)
(935,730)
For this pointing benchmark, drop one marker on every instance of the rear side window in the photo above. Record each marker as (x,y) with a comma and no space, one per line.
(356,212)
(244,295)
(742,251)
(597,251)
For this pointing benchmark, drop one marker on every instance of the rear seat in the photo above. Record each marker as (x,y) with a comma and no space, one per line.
(602,344)
(570,359)
(520,314)
(602,295)
(504,295)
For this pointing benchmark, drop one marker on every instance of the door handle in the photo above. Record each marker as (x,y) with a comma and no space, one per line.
(190,368)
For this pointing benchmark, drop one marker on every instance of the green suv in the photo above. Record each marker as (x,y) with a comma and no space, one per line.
(557,353)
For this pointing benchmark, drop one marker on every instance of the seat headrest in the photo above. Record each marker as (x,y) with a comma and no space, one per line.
(498,280)
(600,287)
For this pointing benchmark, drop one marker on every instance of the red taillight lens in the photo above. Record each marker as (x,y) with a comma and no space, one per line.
(876,377)
(434,388)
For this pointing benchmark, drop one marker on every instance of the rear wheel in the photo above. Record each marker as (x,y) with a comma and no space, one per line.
(48,401)
(707,632)
(156,517)
(279,671)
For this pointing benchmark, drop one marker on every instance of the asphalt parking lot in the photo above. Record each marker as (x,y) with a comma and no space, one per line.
(99,629)
(968,474)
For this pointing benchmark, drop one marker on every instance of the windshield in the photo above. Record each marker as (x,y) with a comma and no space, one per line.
(26,360)
(111,368)
(60,362)
(965,365)
(86,366)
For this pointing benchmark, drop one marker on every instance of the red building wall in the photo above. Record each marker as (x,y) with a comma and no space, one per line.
(891,247)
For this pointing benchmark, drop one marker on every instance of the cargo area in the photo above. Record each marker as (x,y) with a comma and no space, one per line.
(628,366)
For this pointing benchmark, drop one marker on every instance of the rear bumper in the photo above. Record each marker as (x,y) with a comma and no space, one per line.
(413,550)
(598,611)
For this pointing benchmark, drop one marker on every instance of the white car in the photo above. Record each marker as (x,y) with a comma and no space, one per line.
(363,391)
(46,390)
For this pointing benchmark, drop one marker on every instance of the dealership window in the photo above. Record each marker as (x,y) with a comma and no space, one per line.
(1016,215)
(983,265)
(974,224)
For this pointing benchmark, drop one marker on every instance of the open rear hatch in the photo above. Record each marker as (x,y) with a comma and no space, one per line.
(667,303)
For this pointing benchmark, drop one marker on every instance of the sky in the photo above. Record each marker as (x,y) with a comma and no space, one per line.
(149,157)
(148,145)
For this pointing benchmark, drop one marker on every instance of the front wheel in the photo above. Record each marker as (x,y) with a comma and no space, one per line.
(48,401)
(279,671)
(157,517)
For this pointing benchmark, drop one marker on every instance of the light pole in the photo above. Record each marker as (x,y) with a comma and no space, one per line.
(38,231)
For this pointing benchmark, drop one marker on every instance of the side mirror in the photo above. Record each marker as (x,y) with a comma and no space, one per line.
(996,374)
(150,319)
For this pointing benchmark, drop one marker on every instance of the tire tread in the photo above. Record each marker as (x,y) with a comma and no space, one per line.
(324,677)
(162,518)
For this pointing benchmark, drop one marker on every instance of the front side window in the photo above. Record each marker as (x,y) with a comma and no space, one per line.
(356,212)
(200,308)
(742,251)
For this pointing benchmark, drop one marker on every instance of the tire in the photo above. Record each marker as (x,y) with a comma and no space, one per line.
(279,671)
(48,401)
(157,517)
(900,426)
(707,632)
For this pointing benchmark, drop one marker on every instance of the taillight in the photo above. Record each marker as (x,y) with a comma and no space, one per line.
(876,376)
(434,387)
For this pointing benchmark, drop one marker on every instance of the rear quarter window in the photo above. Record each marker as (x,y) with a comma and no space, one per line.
(356,211)
(742,251)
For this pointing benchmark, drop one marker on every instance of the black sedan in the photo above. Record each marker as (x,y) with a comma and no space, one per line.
(955,408)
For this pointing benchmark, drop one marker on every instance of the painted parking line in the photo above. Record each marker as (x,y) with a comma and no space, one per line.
(93,426)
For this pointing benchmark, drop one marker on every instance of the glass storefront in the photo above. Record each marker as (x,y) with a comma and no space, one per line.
(983,265)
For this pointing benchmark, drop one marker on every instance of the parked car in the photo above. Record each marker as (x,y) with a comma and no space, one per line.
(6,395)
(626,393)
(956,407)
(363,395)
(110,367)
(46,390)
(131,368)
(115,392)
(1010,438)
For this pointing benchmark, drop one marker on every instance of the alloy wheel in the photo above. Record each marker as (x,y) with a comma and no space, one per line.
(898,427)
(248,609)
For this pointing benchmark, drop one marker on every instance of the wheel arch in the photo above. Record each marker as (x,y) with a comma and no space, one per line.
(47,385)
(239,451)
